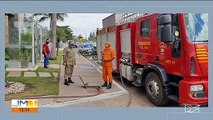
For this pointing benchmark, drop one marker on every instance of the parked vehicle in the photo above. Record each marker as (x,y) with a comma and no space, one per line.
(90,45)
(165,53)
(75,45)
(94,54)
(86,49)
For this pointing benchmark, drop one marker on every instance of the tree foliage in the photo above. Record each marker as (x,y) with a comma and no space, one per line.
(64,33)
(45,16)
(26,38)
(92,37)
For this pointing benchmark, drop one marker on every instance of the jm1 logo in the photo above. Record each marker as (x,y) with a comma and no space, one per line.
(30,106)
(24,103)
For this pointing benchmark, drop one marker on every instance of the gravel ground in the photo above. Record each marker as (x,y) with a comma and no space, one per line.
(14,87)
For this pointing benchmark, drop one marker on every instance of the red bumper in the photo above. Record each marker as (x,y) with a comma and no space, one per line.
(185,96)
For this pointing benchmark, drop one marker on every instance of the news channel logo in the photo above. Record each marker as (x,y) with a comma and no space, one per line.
(192,108)
(27,105)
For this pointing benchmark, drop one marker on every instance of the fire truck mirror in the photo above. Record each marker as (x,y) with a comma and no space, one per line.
(166,33)
(165,19)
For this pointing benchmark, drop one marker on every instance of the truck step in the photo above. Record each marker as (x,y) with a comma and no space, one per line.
(173,98)
(136,84)
(174,84)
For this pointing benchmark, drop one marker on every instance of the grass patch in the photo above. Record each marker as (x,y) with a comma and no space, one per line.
(58,60)
(51,70)
(22,73)
(35,87)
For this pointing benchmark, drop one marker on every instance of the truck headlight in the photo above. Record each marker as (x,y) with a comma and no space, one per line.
(194,88)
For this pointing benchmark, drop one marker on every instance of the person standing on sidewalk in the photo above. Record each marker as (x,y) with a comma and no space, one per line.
(46,53)
(69,61)
(108,55)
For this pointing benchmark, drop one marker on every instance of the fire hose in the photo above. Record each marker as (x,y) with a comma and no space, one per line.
(129,94)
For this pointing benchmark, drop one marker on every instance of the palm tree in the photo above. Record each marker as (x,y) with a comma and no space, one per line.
(61,33)
(53,18)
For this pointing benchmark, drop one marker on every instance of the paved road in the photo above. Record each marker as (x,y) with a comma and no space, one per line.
(138,93)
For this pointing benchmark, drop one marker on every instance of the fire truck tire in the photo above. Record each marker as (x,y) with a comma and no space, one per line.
(154,89)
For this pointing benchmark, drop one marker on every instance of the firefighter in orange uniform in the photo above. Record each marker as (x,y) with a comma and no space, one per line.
(108,54)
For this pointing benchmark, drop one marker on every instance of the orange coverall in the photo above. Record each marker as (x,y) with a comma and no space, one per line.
(108,55)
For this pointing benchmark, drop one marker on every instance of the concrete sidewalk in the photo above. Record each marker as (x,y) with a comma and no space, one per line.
(91,75)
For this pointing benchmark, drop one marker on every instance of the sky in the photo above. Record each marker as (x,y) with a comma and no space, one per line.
(81,23)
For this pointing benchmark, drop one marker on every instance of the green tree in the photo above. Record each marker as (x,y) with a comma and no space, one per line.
(64,33)
(75,38)
(61,34)
(53,18)
(92,37)
(26,38)
(69,33)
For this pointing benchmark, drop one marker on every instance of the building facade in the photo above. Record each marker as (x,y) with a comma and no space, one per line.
(112,20)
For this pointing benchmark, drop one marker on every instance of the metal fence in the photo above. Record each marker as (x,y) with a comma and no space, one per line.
(26,37)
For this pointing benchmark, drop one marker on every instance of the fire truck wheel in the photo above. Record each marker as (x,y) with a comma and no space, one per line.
(154,89)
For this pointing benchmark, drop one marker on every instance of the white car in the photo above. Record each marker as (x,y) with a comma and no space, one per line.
(86,48)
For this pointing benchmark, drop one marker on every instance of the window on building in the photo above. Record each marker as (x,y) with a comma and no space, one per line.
(145,28)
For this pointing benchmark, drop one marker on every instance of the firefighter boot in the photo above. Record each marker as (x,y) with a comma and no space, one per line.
(109,86)
(104,85)
(69,80)
(66,82)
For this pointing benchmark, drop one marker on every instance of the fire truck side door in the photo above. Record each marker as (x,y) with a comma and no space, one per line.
(169,43)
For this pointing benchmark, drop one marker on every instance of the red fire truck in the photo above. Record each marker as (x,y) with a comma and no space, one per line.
(165,53)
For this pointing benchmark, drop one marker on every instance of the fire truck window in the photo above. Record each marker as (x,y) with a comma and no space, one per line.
(159,31)
(174,29)
(145,28)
